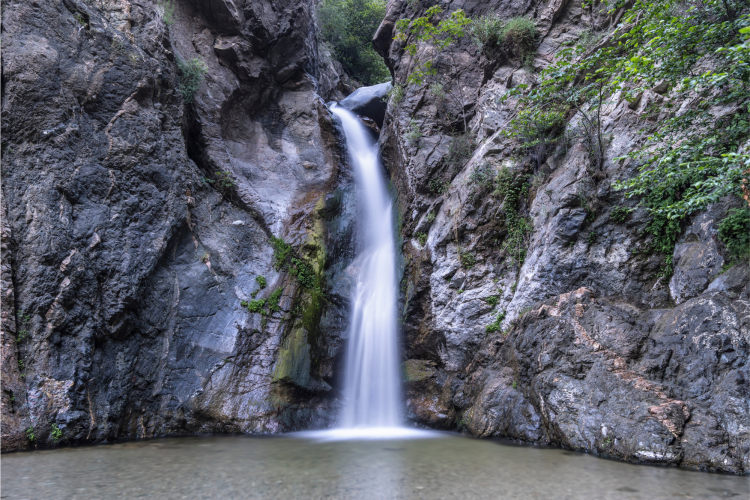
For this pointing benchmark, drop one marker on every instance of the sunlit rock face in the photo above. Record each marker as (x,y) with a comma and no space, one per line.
(595,351)
(125,258)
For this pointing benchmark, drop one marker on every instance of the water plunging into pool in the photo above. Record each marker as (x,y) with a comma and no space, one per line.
(372,399)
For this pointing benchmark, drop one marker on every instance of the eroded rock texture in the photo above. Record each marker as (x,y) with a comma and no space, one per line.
(125,259)
(595,350)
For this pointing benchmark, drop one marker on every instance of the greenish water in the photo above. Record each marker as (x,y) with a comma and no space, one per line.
(238,467)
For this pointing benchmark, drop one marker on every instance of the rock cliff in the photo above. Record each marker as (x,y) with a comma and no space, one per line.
(137,223)
(570,336)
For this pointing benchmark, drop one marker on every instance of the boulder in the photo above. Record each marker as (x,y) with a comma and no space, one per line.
(369,101)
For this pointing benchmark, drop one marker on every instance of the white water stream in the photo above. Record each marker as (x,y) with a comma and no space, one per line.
(372,395)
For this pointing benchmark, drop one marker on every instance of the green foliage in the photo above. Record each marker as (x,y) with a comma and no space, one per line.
(80,19)
(305,274)
(514,384)
(513,189)
(254,306)
(281,251)
(273,301)
(56,433)
(21,364)
(166,12)
(396,94)
(23,318)
(438,185)
(30,434)
(519,35)
(492,300)
(487,31)
(414,134)
(734,232)
(348,27)
(592,237)
(192,73)
(536,131)
(495,326)
(482,179)
(431,216)
(441,36)
(459,151)
(224,182)
(619,214)
(421,238)
(467,259)
(264,306)
(692,156)
(262,283)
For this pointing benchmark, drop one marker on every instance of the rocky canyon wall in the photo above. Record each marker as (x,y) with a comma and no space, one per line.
(572,338)
(135,224)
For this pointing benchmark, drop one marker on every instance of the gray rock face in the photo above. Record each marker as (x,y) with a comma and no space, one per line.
(594,349)
(125,255)
(369,101)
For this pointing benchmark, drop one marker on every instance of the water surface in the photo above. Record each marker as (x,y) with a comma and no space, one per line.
(447,467)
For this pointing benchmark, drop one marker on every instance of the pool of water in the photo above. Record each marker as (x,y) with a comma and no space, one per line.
(312,466)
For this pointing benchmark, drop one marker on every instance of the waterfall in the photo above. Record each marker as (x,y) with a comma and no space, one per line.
(372,382)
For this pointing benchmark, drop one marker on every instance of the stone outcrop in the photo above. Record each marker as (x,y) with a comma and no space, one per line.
(136,224)
(590,348)
(370,102)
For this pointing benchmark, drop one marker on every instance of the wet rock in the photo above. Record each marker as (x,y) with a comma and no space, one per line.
(130,257)
(369,101)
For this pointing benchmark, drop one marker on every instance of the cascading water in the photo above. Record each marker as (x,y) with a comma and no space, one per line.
(372,382)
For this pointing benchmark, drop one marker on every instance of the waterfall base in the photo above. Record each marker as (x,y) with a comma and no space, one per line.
(368,433)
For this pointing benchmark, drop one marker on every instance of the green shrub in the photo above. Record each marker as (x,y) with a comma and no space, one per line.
(348,27)
(396,94)
(519,35)
(619,214)
(495,327)
(281,251)
(191,72)
(421,238)
(262,283)
(482,178)
(166,12)
(56,433)
(537,131)
(487,31)
(414,133)
(30,434)
(305,274)
(734,232)
(273,301)
(431,216)
(467,258)
(438,185)
(254,306)
(492,300)
(513,188)
(460,150)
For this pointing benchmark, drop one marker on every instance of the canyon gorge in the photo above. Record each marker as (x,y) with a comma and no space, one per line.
(178,260)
